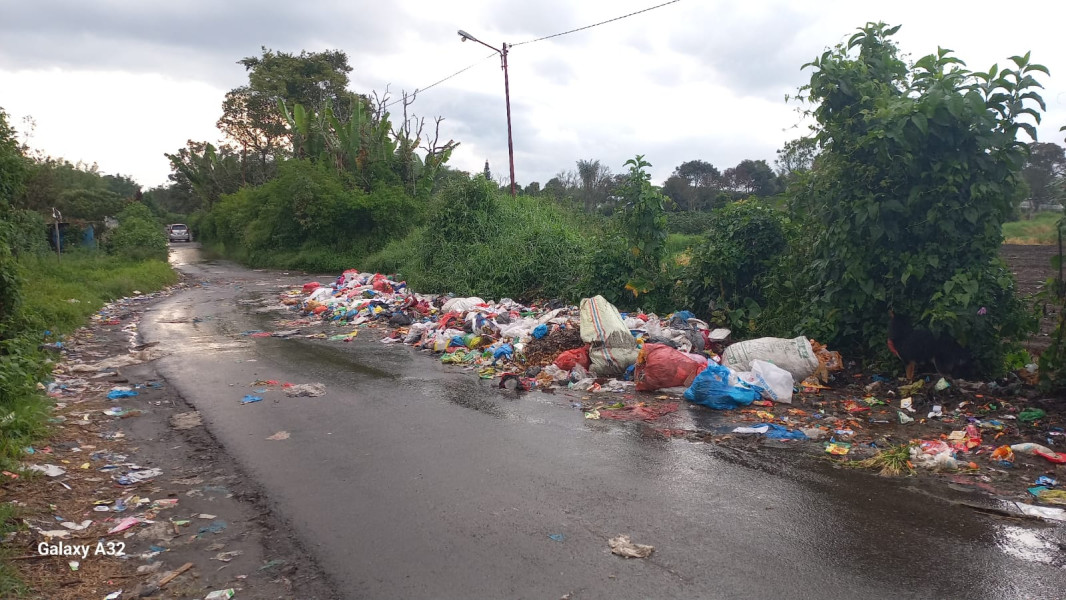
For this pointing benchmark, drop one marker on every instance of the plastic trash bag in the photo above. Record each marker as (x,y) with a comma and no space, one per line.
(795,355)
(461,305)
(776,381)
(577,356)
(718,387)
(540,331)
(612,347)
(660,366)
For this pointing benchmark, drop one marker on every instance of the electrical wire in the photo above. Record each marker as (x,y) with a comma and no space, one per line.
(436,83)
(547,37)
(554,35)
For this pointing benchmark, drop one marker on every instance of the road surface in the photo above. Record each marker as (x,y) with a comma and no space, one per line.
(411,479)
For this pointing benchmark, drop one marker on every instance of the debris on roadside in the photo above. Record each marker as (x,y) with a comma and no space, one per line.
(624,547)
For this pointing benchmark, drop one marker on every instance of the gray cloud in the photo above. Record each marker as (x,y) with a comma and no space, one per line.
(197,39)
(759,56)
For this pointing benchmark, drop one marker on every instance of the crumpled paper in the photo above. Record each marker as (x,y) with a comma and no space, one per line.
(623,546)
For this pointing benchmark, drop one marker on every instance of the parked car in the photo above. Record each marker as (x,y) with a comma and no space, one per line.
(179,232)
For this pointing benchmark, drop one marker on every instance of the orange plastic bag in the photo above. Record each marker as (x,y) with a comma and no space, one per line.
(660,366)
(571,358)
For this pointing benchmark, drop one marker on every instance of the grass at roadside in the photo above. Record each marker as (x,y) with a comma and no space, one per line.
(59,296)
(91,279)
(10,585)
(1038,231)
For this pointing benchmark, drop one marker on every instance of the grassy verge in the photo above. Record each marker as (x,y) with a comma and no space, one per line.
(61,295)
(10,584)
(1038,231)
(57,296)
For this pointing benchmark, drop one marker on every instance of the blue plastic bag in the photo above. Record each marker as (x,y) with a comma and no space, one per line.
(116,394)
(505,351)
(540,331)
(777,432)
(719,388)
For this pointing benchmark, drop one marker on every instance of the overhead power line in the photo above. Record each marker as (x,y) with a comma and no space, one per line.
(554,35)
(436,83)
(547,37)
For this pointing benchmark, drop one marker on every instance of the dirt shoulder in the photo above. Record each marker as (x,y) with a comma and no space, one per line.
(143,476)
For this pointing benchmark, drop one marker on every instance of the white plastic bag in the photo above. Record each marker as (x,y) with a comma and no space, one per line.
(776,381)
(461,305)
(795,356)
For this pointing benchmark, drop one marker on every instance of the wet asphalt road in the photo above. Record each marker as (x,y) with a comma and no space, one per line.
(410,479)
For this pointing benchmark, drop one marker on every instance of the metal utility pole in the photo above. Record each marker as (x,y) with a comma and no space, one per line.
(507,98)
(58,216)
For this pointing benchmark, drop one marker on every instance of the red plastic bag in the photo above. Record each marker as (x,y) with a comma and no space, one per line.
(569,359)
(381,284)
(660,366)
(311,286)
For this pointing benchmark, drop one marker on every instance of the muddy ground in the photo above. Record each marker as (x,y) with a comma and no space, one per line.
(199,511)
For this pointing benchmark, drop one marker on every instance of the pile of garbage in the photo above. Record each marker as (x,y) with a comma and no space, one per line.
(591,347)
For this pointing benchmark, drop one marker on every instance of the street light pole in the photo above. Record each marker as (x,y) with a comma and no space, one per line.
(507,98)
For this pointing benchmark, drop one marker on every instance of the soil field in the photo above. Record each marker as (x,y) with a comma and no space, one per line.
(1031,266)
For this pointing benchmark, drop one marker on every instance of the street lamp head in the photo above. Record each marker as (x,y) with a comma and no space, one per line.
(465,36)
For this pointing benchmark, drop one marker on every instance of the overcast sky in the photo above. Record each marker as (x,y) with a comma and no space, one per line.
(120,82)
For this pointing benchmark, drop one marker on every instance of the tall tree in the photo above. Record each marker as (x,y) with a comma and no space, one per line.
(696,185)
(593,177)
(751,177)
(250,115)
(1044,170)
(797,156)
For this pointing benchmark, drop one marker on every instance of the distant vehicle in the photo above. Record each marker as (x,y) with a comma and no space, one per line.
(179,232)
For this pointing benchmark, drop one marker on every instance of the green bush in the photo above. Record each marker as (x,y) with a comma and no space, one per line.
(726,278)
(138,236)
(480,243)
(918,171)
(309,217)
(689,223)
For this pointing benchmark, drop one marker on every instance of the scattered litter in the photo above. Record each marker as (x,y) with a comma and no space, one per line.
(49,470)
(76,526)
(214,527)
(1031,414)
(623,546)
(134,477)
(281,435)
(227,556)
(124,524)
(248,399)
(221,594)
(312,390)
(557,537)
(117,393)
(1045,512)
(837,448)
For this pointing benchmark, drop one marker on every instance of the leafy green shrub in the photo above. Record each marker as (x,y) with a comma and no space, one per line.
(917,174)
(688,223)
(138,236)
(479,243)
(309,217)
(726,277)
(26,232)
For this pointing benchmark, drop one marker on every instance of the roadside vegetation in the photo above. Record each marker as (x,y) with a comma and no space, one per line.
(825,243)
(45,296)
(1040,230)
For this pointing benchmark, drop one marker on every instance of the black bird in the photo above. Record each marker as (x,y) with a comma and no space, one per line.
(917,346)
